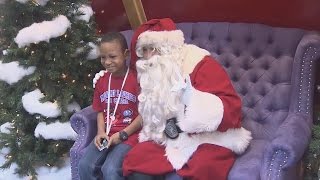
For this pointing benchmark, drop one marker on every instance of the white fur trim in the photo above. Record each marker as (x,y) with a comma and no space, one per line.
(178,151)
(161,38)
(143,137)
(204,113)
(192,56)
(97,77)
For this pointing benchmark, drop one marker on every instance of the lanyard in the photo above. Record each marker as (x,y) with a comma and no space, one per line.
(112,118)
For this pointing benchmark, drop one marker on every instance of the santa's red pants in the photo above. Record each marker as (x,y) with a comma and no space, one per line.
(208,162)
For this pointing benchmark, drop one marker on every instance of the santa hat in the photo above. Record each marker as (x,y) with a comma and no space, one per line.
(156,32)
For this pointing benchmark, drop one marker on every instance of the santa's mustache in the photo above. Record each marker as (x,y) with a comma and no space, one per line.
(145,64)
(157,65)
(157,70)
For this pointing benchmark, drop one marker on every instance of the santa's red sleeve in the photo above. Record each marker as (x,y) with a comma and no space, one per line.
(214,104)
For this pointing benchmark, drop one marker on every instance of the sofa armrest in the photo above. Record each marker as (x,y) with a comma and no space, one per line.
(84,123)
(293,135)
(303,75)
(288,146)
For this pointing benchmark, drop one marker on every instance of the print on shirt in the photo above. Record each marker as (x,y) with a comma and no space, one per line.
(127,114)
(114,94)
(126,98)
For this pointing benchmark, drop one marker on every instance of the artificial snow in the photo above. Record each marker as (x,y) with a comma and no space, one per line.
(44,173)
(12,72)
(43,31)
(5,52)
(4,128)
(40,2)
(31,103)
(94,52)
(55,131)
(87,13)
(73,107)
(22,1)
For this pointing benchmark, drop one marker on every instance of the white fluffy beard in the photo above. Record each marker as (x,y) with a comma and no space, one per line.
(160,97)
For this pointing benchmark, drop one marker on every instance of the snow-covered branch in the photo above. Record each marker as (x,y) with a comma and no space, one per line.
(55,131)
(43,31)
(12,72)
(40,2)
(31,103)
(86,11)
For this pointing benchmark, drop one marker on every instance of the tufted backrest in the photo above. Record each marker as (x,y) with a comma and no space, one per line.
(259,61)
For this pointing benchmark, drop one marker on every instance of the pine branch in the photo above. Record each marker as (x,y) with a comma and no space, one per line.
(63,74)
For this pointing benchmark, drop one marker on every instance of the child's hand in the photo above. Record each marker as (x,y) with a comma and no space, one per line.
(114,139)
(99,138)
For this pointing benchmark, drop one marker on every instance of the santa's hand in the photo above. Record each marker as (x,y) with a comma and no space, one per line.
(97,77)
(187,92)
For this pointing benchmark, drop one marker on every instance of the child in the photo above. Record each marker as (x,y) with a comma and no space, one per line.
(118,121)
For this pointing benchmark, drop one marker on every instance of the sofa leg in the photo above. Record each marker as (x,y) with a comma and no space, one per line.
(300,170)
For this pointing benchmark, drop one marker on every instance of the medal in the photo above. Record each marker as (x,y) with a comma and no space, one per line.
(112,118)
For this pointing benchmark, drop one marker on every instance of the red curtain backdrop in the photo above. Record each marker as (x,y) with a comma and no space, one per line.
(110,14)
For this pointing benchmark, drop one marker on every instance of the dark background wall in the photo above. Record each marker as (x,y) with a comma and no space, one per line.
(110,14)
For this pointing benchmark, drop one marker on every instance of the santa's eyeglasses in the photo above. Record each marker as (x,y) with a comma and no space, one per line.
(147,50)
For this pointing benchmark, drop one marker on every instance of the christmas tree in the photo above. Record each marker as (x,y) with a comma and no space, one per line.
(49,58)
(312,155)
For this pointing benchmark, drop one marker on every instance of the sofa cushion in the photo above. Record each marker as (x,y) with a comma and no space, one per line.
(259,61)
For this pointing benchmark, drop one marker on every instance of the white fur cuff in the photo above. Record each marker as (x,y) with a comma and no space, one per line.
(179,151)
(97,77)
(204,113)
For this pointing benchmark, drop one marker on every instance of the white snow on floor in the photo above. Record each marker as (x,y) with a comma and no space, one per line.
(44,173)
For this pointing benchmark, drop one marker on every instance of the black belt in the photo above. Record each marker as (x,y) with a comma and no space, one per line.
(172,130)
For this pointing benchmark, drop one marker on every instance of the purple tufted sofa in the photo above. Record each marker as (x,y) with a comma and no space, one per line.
(273,70)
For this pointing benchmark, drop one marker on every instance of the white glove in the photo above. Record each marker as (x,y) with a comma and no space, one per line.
(187,92)
(97,77)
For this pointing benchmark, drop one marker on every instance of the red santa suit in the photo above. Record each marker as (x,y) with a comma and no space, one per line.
(210,120)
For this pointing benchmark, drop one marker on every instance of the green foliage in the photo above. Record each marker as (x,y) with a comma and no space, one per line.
(312,155)
(61,74)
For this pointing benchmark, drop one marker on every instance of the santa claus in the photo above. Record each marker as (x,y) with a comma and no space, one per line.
(183,82)
(191,112)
